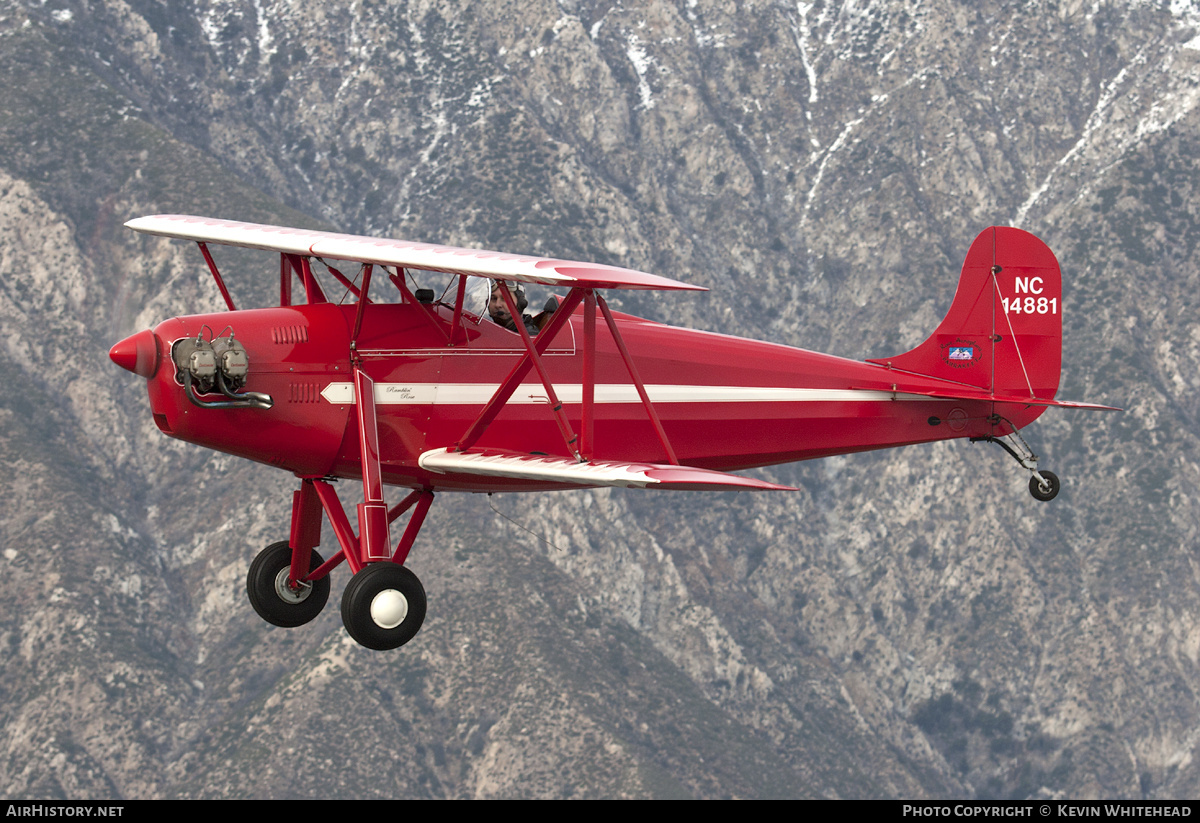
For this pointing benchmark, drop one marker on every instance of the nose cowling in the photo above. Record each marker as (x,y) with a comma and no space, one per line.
(138,353)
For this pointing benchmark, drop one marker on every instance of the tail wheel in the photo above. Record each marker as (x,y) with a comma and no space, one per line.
(383,606)
(1049,491)
(274,599)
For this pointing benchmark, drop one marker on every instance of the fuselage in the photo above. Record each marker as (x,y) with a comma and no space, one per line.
(725,403)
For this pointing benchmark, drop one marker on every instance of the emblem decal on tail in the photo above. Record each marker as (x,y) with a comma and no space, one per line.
(961,353)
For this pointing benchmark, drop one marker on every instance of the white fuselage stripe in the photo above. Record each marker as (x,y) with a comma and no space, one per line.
(476,394)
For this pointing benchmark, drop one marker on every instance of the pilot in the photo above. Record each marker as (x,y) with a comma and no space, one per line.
(499,311)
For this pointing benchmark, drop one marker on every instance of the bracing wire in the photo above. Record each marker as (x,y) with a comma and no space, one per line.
(519,526)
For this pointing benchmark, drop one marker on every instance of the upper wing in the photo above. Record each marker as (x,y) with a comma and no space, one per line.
(403,253)
(499,463)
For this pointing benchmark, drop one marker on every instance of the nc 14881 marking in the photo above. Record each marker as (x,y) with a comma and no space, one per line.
(1030,305)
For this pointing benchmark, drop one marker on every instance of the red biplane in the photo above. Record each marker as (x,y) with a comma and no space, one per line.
(427,393)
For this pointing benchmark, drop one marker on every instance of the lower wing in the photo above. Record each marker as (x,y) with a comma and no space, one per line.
(498,463)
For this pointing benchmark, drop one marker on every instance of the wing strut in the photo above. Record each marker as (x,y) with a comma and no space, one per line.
(488,414)
(587,417)
(362,307)
(212,267)
(285,281)
(289,263)
(637,382)
(556,406)
(582,446)
(460,299)
(312,289)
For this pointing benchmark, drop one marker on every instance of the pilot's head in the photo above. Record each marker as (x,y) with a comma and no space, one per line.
(496,307)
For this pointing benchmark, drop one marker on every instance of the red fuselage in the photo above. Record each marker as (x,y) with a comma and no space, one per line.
(725,403)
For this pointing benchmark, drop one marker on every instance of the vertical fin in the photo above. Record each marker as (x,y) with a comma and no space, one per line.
(1003,332)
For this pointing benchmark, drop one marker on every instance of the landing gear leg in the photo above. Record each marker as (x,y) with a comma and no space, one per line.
(1043,485)
(383,605)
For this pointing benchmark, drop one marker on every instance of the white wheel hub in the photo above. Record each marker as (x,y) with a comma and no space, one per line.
(389,608)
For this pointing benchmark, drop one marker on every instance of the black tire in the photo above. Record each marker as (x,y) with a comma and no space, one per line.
(383,606)
(266,586)
(1038,492)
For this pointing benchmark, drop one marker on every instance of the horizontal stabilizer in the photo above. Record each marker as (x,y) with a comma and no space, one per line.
(403,253)
(496,463)
(967,394)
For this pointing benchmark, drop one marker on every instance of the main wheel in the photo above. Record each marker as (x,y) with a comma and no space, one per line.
(383,606)
(1048,493)
(275,601)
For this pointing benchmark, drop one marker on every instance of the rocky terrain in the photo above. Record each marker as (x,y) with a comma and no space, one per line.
(909,624)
